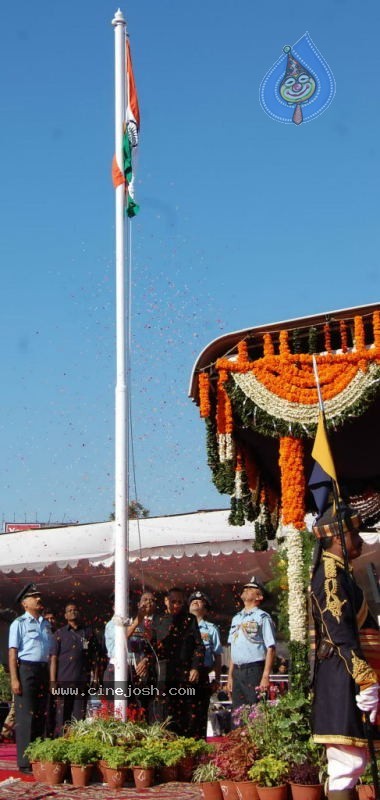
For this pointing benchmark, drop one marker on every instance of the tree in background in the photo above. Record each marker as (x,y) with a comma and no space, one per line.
(135,511)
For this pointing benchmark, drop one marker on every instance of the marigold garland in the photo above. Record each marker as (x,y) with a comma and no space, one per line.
(327,335)
(224,418)
(292,482)
(291,377)
(343,335)
(260,409)
(284,344)
(268,345)
(376,329)
(243,352)
(359,333)
(204,395)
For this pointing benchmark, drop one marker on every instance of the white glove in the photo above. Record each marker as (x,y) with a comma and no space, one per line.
(368,699)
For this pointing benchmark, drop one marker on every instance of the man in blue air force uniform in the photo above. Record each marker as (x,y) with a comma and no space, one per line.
(30,641)
(199,605)
(253,647)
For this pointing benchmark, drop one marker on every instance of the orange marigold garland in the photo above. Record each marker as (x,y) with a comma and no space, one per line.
(376,329)
(292,482)
(243,352)
(284,344)
(327,335)
(204,395)
(359,333)
(268,345)
(343,335)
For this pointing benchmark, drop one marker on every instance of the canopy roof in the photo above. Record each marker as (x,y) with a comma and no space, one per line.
(257,392)
(189,550)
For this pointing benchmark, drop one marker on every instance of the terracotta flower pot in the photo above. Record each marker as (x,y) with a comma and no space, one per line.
(116,778)
(186,768)
(246,790)
(36,769)
(229,790)
(365,791)
(81,774)
(168,774)
(306,792)
(99,772)
(272,792)
(211,790)
(143,777)
(54,773)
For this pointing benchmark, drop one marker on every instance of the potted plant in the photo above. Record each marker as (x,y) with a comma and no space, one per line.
(144,759)
(172,752)
(305,781)
(270,774)
(82,754)
(35,752)
(49,759)
(114,764)
(192,750)
(207,776)
(234,756)
(365,789)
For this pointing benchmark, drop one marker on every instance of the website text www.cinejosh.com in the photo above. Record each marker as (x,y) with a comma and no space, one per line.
(121,690)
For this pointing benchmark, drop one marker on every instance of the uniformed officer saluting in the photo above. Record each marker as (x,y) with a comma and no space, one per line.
(29,646)
(253,647)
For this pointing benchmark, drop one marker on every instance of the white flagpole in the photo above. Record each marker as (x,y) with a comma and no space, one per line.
(121,390)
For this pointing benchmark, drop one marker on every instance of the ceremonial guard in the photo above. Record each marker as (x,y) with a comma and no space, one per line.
(345,685)
(253,647)
(29,647)
(199,605)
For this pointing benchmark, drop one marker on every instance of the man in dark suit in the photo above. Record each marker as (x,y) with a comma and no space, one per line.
(181,653)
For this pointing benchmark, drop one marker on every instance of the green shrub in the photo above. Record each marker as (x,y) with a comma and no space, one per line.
(206,773)
(268,771)
(114,757)
(83,751)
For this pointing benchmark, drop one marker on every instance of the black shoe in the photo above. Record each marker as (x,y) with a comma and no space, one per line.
(25,770)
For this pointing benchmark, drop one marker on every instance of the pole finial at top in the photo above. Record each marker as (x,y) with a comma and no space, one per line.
(118,18)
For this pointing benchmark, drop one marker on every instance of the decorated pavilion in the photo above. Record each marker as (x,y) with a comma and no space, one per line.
(256,390)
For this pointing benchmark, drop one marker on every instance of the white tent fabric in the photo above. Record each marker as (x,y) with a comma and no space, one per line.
(201,533)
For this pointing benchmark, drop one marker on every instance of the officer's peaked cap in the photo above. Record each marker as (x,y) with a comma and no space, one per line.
(30,590)
(254,583)
(198,595)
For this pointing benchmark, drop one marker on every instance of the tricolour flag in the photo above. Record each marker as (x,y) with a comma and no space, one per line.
(130,140)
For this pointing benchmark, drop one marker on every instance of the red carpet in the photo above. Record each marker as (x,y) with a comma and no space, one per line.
(39,791)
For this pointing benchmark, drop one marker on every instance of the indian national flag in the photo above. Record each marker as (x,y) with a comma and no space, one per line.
(130,140)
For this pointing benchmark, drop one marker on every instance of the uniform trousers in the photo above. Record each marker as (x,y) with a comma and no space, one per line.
(199,705)
(345,765)
(245,679)
(71,703)
(30,706)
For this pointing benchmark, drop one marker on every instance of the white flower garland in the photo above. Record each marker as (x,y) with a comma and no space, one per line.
(226,447)
(302,413)
(296,593)
(238,485)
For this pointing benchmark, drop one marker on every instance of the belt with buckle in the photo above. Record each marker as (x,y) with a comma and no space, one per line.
(249,664)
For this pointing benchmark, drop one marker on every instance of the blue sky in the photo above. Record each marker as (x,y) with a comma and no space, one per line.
(243,221)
